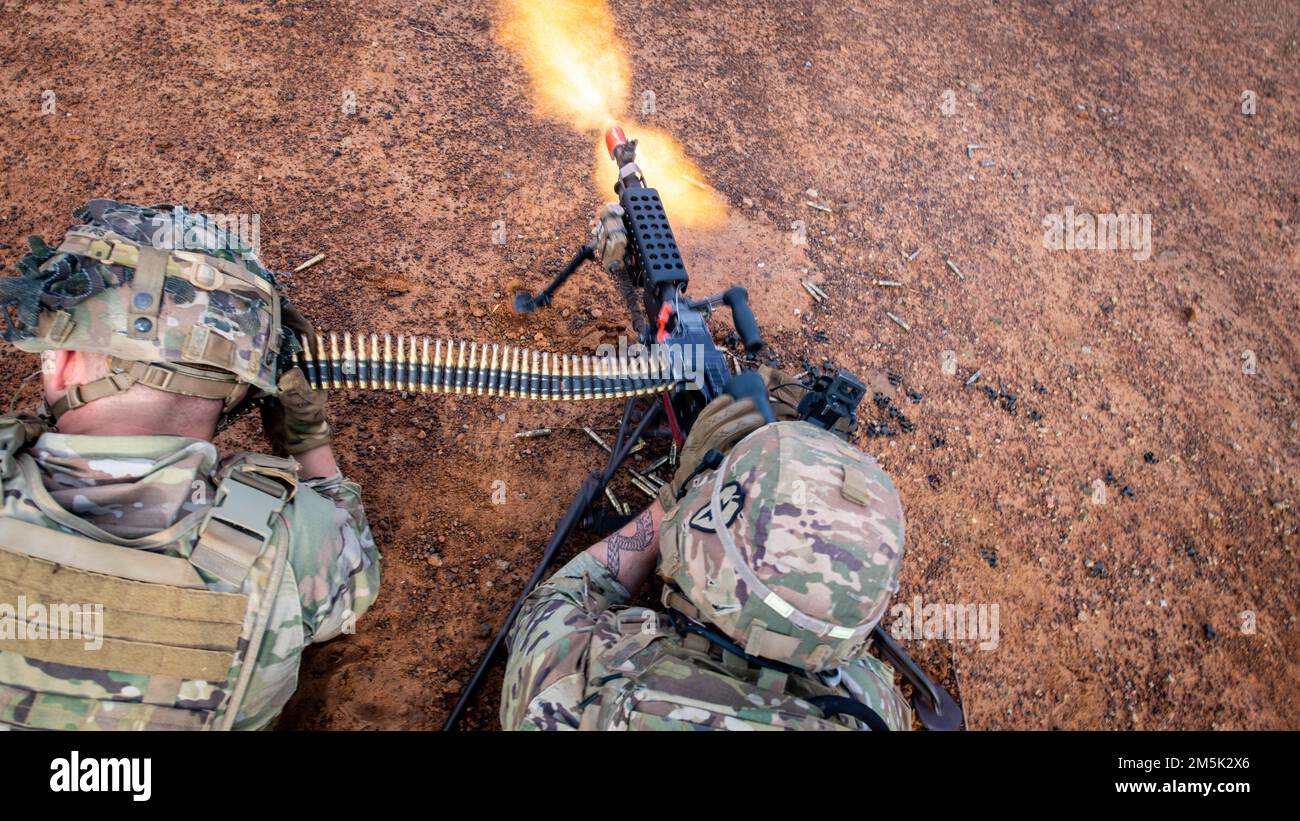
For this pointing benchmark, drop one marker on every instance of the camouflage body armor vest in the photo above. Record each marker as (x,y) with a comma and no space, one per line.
(655,676)
(176,648)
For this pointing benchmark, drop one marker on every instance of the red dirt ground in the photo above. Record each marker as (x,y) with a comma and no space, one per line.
(1107,107)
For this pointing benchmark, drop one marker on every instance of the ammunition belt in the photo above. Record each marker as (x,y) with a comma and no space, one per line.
(420,364)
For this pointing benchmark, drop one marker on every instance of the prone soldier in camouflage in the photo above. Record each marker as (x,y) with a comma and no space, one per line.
(776,566)
(208,576)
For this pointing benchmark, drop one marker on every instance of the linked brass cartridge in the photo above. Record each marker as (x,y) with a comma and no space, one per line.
(461,367)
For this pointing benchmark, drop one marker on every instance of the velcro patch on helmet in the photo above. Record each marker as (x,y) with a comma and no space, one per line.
(733,499)
(856,488)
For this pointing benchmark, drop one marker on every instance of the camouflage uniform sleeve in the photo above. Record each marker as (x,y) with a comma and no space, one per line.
(546,674)
(332,578)
(338,572)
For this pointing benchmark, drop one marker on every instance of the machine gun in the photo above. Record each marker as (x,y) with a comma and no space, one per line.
(634,242)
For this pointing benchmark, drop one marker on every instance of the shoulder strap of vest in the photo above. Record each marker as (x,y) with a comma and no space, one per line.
(253,489)
(279,542)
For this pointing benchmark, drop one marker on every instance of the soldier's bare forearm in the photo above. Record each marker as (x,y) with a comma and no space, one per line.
(631,553)
(317,462)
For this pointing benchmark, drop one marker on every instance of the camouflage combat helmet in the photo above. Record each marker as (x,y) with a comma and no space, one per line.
(791,548)
(174,299)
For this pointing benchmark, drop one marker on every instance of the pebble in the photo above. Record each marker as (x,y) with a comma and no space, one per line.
(948,361)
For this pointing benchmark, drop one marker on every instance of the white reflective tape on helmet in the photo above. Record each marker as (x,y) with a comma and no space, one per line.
(777,603)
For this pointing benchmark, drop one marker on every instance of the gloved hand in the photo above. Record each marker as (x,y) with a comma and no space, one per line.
(784,393)
(294,420)
(721,424)
(292,318)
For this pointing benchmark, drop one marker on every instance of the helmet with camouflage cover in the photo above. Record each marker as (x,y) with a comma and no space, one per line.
(791,548)
(175,301)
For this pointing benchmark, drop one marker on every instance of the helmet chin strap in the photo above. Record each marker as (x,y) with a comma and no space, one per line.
(125,374)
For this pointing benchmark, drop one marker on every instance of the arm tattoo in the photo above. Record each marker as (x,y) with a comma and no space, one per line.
(636,543)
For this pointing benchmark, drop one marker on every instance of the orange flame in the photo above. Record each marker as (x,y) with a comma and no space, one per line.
(687,198)
(581,75)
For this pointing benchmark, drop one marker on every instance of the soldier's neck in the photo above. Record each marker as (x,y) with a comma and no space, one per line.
(88,421)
